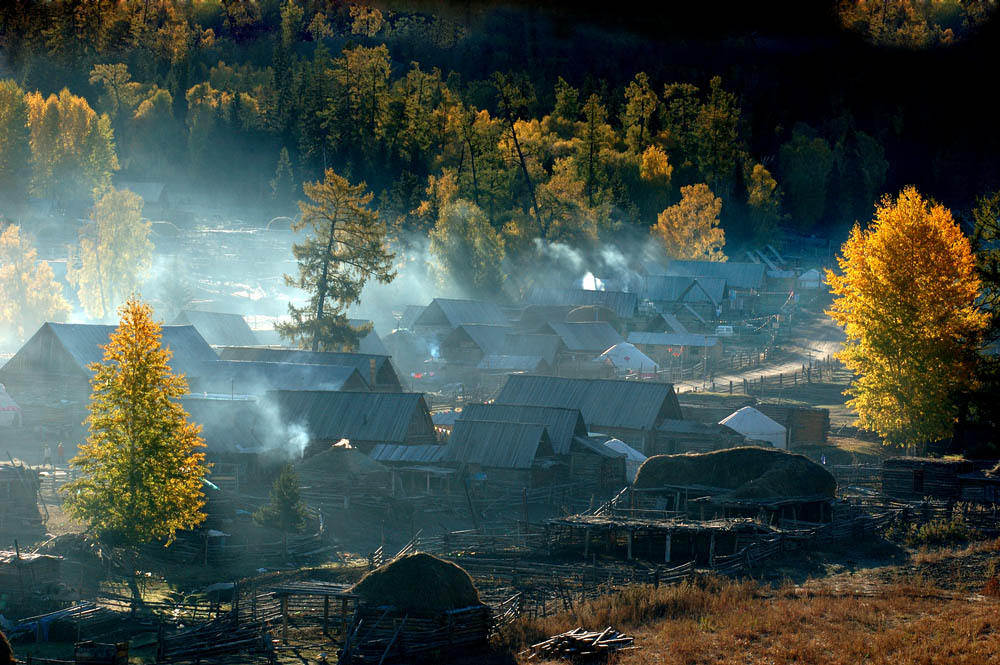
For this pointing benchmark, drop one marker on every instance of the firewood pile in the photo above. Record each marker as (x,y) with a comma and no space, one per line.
(581,645)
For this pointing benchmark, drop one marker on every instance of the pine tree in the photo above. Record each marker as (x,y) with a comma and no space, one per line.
(141,471)
(283,184)
(347,249)
(285,510)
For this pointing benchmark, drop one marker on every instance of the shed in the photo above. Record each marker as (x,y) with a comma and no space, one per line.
(451,313)
(249,377)
(753,424)
(364,418)
(628,410)
(217,328)
(369,366)
(562,423)
(503,457)
(916,478)
(623,304)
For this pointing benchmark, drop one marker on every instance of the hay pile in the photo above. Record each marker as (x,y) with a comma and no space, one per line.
(418,582)
(749,473)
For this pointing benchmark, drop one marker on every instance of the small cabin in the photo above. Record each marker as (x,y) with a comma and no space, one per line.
(917,478)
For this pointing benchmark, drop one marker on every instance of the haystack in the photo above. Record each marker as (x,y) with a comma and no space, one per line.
(748,473)
(418,582)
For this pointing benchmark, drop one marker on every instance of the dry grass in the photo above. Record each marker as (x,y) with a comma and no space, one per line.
(729,622)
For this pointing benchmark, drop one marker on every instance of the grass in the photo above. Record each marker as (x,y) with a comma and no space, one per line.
(739,622)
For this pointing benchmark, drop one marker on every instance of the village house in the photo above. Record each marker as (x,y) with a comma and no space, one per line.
(704,297)
(628,410)
(377,370)
(49,377)
(588,461)
(677,349)
(469,343)
(365,419)
(690,436)
(217,328)
(917,478)
(581,343)
(499,458)
(624,305)
(443,315)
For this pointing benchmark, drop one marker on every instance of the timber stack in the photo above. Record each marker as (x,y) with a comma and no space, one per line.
(581,645)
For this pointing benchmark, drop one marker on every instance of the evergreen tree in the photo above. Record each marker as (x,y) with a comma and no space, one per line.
(283,185)
(285,510)
(347,249)
(140,469)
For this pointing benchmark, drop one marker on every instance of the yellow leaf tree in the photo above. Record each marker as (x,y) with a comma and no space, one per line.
(905,295)
(29,292)
(115,253)
(141,468)
(690,228)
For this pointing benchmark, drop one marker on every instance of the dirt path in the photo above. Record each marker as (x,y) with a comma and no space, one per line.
(815,337)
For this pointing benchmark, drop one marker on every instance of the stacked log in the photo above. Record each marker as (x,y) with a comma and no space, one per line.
(581,645)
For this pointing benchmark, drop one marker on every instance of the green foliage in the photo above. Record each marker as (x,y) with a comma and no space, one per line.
(469,250)
(283,184)
(140,470)
(938,533)
(285,510)
(806,161)
(15,142)
(115,253)
(347,249)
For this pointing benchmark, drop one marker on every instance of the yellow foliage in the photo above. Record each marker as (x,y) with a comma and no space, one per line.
(654,166)
(141,470)
(690,228)
(29,292)
(905,295)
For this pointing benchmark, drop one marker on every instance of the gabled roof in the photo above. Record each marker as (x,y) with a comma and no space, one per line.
(357,416)
(562,424)
(497,444)
(217,328)
(410,314)
(248,377)
(671,339)
(68,348)
(639,405)
(524,344)
(592,336)
(737,275)
(385,373)
(749,422)
(624,356)
(487,338)
(514,363)
(623,304)
(370,342)
(453,313)
(680,288)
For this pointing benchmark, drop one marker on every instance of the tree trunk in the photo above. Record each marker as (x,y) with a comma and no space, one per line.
(133,582)
(321,293)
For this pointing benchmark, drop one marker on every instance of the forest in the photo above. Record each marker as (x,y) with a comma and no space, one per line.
(495,130)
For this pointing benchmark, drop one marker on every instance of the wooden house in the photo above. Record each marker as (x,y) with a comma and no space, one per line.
(378,371)
(49,376)
(707,297)
(445,314)
(624,305)
(503,457)
(981,486)
(469,343)
(581,342)
(366,419)
(665,322)
(917,478)
(628,410)
(588,460)
(416,470)
(217,328)
(744,281)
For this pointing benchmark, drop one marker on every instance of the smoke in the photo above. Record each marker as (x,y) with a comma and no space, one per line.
(591,283)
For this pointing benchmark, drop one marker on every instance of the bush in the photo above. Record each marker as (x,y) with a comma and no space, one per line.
(940,533)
